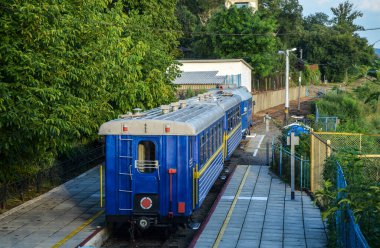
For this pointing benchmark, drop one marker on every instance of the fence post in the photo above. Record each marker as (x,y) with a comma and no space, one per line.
(328,151)
(360,142)
(312,160)
(280,160)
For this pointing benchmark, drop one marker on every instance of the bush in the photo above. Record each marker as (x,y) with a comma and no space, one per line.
(362,194)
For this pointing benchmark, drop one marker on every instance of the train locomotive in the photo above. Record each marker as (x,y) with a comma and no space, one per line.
(161,163)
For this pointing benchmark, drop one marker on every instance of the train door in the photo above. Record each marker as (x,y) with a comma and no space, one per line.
(147,175)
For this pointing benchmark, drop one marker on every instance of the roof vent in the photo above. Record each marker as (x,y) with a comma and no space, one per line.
(165,109)
(137,111)
(182,104)
(175,106)
(137,114)
(210,96)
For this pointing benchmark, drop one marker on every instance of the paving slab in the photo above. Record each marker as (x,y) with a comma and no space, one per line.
(261,213)
(53,216)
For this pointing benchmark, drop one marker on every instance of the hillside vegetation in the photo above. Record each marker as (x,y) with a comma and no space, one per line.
(358,110)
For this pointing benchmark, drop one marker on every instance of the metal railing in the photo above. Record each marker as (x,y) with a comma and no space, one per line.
(146,166)
(46,179)
(325,123)
(348,231)
(281,165)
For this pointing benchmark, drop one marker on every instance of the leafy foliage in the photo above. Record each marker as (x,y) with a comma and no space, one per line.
(358,111)
(344,17)
(362,194)
(288,14)
(257,49)
(333,43)
(68,66)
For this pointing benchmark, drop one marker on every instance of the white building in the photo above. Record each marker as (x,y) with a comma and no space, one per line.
(235,71)
(253,4)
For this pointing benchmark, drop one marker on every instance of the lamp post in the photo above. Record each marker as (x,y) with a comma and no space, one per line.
(286,52)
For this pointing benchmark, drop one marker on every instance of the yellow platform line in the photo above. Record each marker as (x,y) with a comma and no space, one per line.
(229,214)
(78,229)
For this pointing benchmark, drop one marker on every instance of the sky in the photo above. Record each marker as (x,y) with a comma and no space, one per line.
(369,8)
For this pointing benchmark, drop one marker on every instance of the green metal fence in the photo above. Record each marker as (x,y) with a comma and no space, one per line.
(349,233)
(281,166)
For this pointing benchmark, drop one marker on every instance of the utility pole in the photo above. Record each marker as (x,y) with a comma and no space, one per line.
(267,118)
(286,52)
(287,87)
(299,86)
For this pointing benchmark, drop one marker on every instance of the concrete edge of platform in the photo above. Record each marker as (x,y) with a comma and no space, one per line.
(96,239)
(31,201)
(213,207)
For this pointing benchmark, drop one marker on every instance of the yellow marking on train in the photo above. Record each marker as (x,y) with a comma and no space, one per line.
(204,168)
(77,230)
(233,131)
(194,187)
(223,147)
(229,214)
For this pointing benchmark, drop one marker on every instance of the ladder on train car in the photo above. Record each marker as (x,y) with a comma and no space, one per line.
(126,145)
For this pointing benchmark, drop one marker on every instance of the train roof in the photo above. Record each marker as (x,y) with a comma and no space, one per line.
(190,120)
(241,91)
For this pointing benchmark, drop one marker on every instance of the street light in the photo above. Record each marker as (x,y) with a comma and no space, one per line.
(286,52)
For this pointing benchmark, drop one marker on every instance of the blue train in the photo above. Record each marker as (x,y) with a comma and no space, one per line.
(161,163)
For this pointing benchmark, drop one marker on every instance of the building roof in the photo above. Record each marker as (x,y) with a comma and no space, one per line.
(200,77)
(215,61)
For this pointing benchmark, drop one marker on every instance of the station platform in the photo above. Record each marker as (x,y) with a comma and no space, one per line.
(63,217)
(256,211)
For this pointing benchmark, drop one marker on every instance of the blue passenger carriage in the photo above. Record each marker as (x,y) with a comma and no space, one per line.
(160,164)
(245,108)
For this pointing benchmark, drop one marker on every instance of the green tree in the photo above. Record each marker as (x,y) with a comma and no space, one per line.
(67,66)
(314,21)
(344,17)
(239,33)
(288,14)
(333,44)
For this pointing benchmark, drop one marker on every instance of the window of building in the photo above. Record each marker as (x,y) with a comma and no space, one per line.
(241,5)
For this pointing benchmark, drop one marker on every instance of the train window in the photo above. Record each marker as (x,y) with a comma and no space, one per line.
(207,146)
(146,157)
(215,139)
(221,133)
(202,149)
(211,140)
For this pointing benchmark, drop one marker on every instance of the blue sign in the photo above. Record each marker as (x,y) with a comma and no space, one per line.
(298,130)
